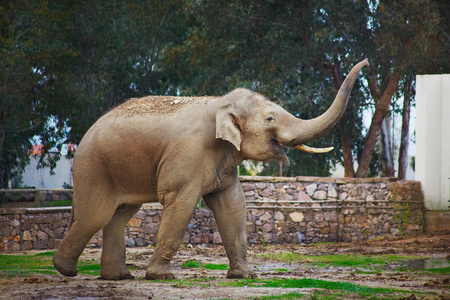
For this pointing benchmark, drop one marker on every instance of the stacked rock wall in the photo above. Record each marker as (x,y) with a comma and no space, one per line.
(279,210)
(33,228)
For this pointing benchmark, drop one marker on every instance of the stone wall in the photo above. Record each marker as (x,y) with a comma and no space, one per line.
(279,210)
(32,228)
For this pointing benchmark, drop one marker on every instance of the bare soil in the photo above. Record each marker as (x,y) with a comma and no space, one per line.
(202,283)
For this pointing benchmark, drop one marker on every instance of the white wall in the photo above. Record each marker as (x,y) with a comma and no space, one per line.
(433,139)
(42,179)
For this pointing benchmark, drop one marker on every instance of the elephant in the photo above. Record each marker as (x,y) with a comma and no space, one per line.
(177,150)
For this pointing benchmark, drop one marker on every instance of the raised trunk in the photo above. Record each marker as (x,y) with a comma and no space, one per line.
(314,128)
(347,155)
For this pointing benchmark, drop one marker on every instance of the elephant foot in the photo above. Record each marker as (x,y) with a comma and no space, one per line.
(65,266)
(115,271)
(159,276)
(122,276)
(240,273)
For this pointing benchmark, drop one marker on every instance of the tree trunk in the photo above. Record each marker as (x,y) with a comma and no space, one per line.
(3,172)
(387,149)
(382,106)
(2,131)
(403,155)
(346,151)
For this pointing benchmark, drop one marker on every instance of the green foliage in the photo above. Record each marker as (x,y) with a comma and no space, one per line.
(65,64)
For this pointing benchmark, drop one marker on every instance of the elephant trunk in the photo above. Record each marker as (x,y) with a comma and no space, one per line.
(307,130)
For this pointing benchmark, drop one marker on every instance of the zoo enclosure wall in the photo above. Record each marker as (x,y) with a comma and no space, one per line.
(280,210)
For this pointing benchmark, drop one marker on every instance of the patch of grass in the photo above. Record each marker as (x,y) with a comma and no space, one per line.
(88,269)
(195,264)
(57,203)
(216,266)
(23,265)
(445,271)
(191,264)
(46,253)
(336,260)
(283,296)
(311,283)
(25,262)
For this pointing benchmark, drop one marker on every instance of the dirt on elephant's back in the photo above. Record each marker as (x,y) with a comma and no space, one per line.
(157,104)
(200,272)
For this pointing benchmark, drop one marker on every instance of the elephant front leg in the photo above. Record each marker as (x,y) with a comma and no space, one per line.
(177,213)
(113,265)
(228,207)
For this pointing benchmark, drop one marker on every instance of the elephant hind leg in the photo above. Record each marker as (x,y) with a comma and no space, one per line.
(85,222)
(113,265)
(73,244)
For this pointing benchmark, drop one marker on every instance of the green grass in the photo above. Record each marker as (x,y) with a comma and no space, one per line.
(328,290)
(192,264)
(346,287)
(46,253)
(57,203)
(23,265)
(89,269)
(445,271)
(216,266)
(286,296)
(336,260)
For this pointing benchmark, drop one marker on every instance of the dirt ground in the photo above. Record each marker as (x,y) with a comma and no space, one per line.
(202,283)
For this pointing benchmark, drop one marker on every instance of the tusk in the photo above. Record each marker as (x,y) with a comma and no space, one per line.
(313,150)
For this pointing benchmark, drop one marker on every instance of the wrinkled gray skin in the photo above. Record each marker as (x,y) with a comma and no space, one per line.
(175,151)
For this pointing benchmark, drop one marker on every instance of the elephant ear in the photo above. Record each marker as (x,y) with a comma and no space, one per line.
(228,126)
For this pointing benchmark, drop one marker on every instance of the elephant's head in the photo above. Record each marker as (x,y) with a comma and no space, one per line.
(259,128)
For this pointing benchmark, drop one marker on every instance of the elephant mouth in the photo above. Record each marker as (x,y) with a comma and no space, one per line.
(279,147)
(278,150)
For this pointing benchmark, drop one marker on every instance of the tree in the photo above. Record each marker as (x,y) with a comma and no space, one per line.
(65,64)
(284,49)
(280,49)
(23,45)
(404,35)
